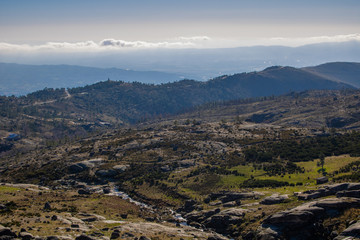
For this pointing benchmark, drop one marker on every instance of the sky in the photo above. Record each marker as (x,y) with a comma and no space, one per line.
(90,25)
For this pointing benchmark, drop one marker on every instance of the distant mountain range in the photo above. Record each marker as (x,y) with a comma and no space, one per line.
(129,102)
(20,79)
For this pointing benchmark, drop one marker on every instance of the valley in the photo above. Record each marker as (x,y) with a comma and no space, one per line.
(194,160)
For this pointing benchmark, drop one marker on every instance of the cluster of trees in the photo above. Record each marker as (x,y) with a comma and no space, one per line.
(213,170)
(306,149)
(258,183)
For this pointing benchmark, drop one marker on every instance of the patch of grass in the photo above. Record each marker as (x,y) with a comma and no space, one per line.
(8,189)
(205,185)
(312,172)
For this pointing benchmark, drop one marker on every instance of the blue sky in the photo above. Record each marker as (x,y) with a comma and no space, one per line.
(225,22)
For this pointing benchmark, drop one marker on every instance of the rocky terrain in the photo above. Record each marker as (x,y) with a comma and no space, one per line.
(184,179)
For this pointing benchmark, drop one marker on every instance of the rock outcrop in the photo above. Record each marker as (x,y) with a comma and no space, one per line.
(302,222)
(216,219)
(84,165)
(226,196)
(6,233)
(274,199)
(330,190)
(352,232)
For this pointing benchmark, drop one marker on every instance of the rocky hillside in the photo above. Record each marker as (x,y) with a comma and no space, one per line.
(240,179)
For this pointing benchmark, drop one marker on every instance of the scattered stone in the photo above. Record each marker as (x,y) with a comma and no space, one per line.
(232,203)
(84,237)
(47,206)
(75,226)
(207,200)
(187,163)
(84,191)
(90,219)
(214,238)
(322,180)
(106,173)
(128,235)
(121,168)
(52,238)
(25,235)
(144,238)
(165,168)
(106,190)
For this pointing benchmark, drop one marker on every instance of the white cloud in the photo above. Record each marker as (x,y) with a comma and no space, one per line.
(195,38)
(105,44)
(141,44)
(180,42)
(312,40)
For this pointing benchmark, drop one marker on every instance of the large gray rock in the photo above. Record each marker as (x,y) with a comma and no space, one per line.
(303,219)
(267,234)
(84,237)
(200,216)
(352,231)
(6,232)
(222,220)
(337,203)
(216,219)
(313,194)
(106,173)
(329,190)
(274,199)
(226,196)
(353,186)
(121,168)
(84,191)
(84,165)
(26,236)
(52,238)
(351,193)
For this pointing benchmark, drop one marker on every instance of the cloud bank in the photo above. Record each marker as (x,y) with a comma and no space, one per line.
(108,44)
(177,43)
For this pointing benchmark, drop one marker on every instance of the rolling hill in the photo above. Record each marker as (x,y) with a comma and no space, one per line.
(346,72)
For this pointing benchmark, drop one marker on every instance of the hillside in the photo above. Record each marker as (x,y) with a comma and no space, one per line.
(309,109)
(130,102)
(346,72)
(229,168)
(51,115)
(20,79)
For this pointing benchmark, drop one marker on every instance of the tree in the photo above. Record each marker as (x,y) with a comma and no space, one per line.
(322,161)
